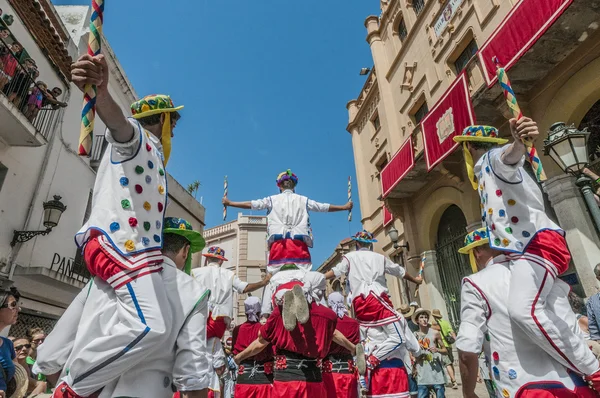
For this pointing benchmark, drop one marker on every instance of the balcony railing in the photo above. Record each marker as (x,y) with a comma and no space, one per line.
(17,85)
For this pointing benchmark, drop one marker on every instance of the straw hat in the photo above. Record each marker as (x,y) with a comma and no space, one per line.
(406,310)
(436,313)
(419,312)
(474,239)
(19,383)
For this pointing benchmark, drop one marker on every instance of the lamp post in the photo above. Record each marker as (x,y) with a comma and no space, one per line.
(393,234)
(53,210)
(567,146)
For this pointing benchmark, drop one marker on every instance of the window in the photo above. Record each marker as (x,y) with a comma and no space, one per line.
(418,6)
(376,122)
(464,57)
(3,172)
(381,163)
(402,31)
(420,113)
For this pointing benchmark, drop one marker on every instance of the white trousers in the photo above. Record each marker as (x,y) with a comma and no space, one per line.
(383,342)
(530,287)
(101,355)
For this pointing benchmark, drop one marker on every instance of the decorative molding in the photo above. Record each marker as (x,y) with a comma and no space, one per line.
(409,73)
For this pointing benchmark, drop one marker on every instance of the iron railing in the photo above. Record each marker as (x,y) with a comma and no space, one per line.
(16,84)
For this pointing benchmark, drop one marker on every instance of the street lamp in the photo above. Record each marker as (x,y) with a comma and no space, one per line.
(53,210)
(567,146)
(393,234)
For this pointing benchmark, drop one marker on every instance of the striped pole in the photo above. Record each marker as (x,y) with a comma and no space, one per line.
(225,192)
(511,100)
(349,197)
(88,112)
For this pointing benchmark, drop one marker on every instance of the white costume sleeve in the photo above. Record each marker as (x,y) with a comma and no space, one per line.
(393,269)
(218,355)
(262,204)
(473,316)
(267,299)
(192,370)
(125,148)
(508,172)
(239,285)
(341,268)
(53,354)
(317,207)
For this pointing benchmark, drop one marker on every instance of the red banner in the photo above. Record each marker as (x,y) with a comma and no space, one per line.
(449,116)
(520,29)
(398,167)
(387,217)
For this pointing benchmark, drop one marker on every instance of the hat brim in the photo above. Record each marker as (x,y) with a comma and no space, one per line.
(436,316)
(215,256)
(194,237)
(157,111)
(493,140)
(409,314)
(466,249)
(418,312)
(21,380)
(364,240)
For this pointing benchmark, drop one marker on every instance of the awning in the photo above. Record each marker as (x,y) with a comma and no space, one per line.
(387,217)
(400,164)
(526,22)
(448,117)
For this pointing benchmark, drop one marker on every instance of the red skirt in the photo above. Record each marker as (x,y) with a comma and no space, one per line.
(580,392)
(372,311)
(552,247)
(342,385)
(288,251)
(298,389)
(253,390)
(389,379)
(215,327)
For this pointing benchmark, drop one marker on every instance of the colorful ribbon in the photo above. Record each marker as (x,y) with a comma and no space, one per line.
(349,197)
(511,100)
(88,112)
(225,191)
(421,270)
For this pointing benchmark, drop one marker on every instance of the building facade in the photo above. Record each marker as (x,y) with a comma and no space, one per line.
(245,243)
(430,54)
(38,161)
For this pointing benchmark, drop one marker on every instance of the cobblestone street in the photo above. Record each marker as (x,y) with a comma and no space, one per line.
(480,390)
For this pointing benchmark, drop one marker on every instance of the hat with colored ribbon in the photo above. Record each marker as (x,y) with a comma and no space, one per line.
(156,104)
(479,237)
(364,237)
(285,176)
(486,134)
(179,226)
(215,252)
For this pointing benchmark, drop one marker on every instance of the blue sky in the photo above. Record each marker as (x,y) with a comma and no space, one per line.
(264,84)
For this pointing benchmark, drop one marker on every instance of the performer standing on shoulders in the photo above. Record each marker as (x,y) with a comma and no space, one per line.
(519,369)
(255,374)
(340,375)
(382,326)
(512,208)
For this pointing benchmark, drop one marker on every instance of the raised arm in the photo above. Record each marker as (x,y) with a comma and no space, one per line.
(239,205)
(250,287)
(253,349)
(346,207)
(398,271)
(522,128)
(94,70)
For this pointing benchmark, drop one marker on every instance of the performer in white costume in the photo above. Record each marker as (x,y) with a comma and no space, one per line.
(381,325)
(518,368)
(222,283)
(180,362)
(512,208)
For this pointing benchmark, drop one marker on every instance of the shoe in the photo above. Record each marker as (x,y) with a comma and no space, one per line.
(454,385)
(289,311)
(361,363)
(301,307)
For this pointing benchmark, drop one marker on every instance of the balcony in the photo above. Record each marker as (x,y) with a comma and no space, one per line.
(21,125)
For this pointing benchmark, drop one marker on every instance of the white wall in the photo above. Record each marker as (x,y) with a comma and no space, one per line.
(257,245)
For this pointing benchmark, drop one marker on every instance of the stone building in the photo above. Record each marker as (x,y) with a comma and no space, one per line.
(245,243)
(434,74)
(38,160)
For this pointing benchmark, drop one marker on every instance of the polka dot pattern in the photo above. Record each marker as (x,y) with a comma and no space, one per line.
(511,202)
(508,230)
(526,234)
(145,241)
(133,222)
(156,238)
(124,181)
(130,245)
(147,206)
(495,356)
(148,147)
(514,219)
(502,213)
(139,169)
(125,204)
(138,188)
(161,172)
(160,207)
(161,190)
(150,165)
(114,227)
(147,226)
(148,179)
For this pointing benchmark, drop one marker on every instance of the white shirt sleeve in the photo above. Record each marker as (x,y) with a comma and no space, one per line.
(239,285)
(508,172)
(393,269)
(262,204)
(318,207)
(53,354)
(473,319)
(341,268)
(192,369)
(267,299)
(126,149)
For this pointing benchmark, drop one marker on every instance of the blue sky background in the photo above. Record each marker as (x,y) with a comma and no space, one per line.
(264,84)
